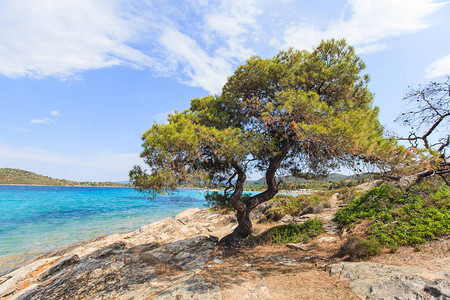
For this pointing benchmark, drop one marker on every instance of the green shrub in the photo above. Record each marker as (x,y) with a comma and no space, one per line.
(441,198)
(369,205)
(286,205)
(412,224)
(296,205)
(296,233)
(358,248)
(401,216)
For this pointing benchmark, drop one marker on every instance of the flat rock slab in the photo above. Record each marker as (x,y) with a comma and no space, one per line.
(117,272)
(189,254)
(378,281)
(186,215)
(297,246)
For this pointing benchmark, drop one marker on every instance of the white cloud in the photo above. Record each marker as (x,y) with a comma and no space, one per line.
(369,23)
(98,167)
(62,37)
(41,121)
(203,71)
(45,120)
(55,113)
(198,42)
(439,67)
(208,53)
(233,21)
(371,48)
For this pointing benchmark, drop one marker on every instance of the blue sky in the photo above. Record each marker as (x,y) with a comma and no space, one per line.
(80,81)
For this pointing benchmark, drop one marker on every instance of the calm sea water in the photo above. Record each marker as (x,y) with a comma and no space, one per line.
(38,219)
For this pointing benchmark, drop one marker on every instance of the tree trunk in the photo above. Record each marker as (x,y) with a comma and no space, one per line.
(408,180)
(244,229)
(240,233)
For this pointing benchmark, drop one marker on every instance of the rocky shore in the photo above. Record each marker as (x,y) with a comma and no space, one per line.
(151,261)
(179,259)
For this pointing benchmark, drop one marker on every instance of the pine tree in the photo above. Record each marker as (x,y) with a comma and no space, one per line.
(303,113)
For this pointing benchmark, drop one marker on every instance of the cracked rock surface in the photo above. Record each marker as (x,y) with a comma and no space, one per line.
(155,261)
(379,281)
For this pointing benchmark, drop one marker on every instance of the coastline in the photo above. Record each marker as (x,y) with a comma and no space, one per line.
(39,220)
(102,186)
(10,262)
(193,223)
(299,192)
(13,262)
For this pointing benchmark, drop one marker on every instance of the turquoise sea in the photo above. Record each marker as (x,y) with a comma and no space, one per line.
(39,219)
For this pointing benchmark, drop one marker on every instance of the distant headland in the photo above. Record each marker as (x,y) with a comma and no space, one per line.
(23,177)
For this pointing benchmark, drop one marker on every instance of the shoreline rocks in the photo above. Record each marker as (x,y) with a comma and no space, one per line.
(177,259)
(166,255)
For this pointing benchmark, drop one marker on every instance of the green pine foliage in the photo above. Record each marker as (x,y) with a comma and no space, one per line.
(400,216)
(300,113)
(312,111)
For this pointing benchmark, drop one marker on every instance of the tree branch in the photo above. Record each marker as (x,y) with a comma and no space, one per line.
(272,186)
(425,136)
(239,189)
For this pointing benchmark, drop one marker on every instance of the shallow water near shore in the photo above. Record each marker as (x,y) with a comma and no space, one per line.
(38,219)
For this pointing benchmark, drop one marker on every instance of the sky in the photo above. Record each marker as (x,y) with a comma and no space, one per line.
(81,81)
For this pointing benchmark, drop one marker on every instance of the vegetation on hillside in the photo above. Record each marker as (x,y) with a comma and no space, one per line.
(298,205)
(330,182)
(17,176)
(400,216)
(300,180)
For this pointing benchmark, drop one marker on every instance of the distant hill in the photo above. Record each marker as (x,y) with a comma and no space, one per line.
(291,179)
(17,176)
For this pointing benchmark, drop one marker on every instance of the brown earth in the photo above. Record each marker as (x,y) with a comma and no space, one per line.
(278,272)
(258,273)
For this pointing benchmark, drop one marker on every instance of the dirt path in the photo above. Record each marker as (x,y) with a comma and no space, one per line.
(275,272)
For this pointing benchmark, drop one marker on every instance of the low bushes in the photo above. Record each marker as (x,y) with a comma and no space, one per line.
(359,248)
(296,233)
(401,216)
(298,205)
(290,233)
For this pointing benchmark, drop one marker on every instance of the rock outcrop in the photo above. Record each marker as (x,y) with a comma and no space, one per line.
(378,281)
(157,261)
